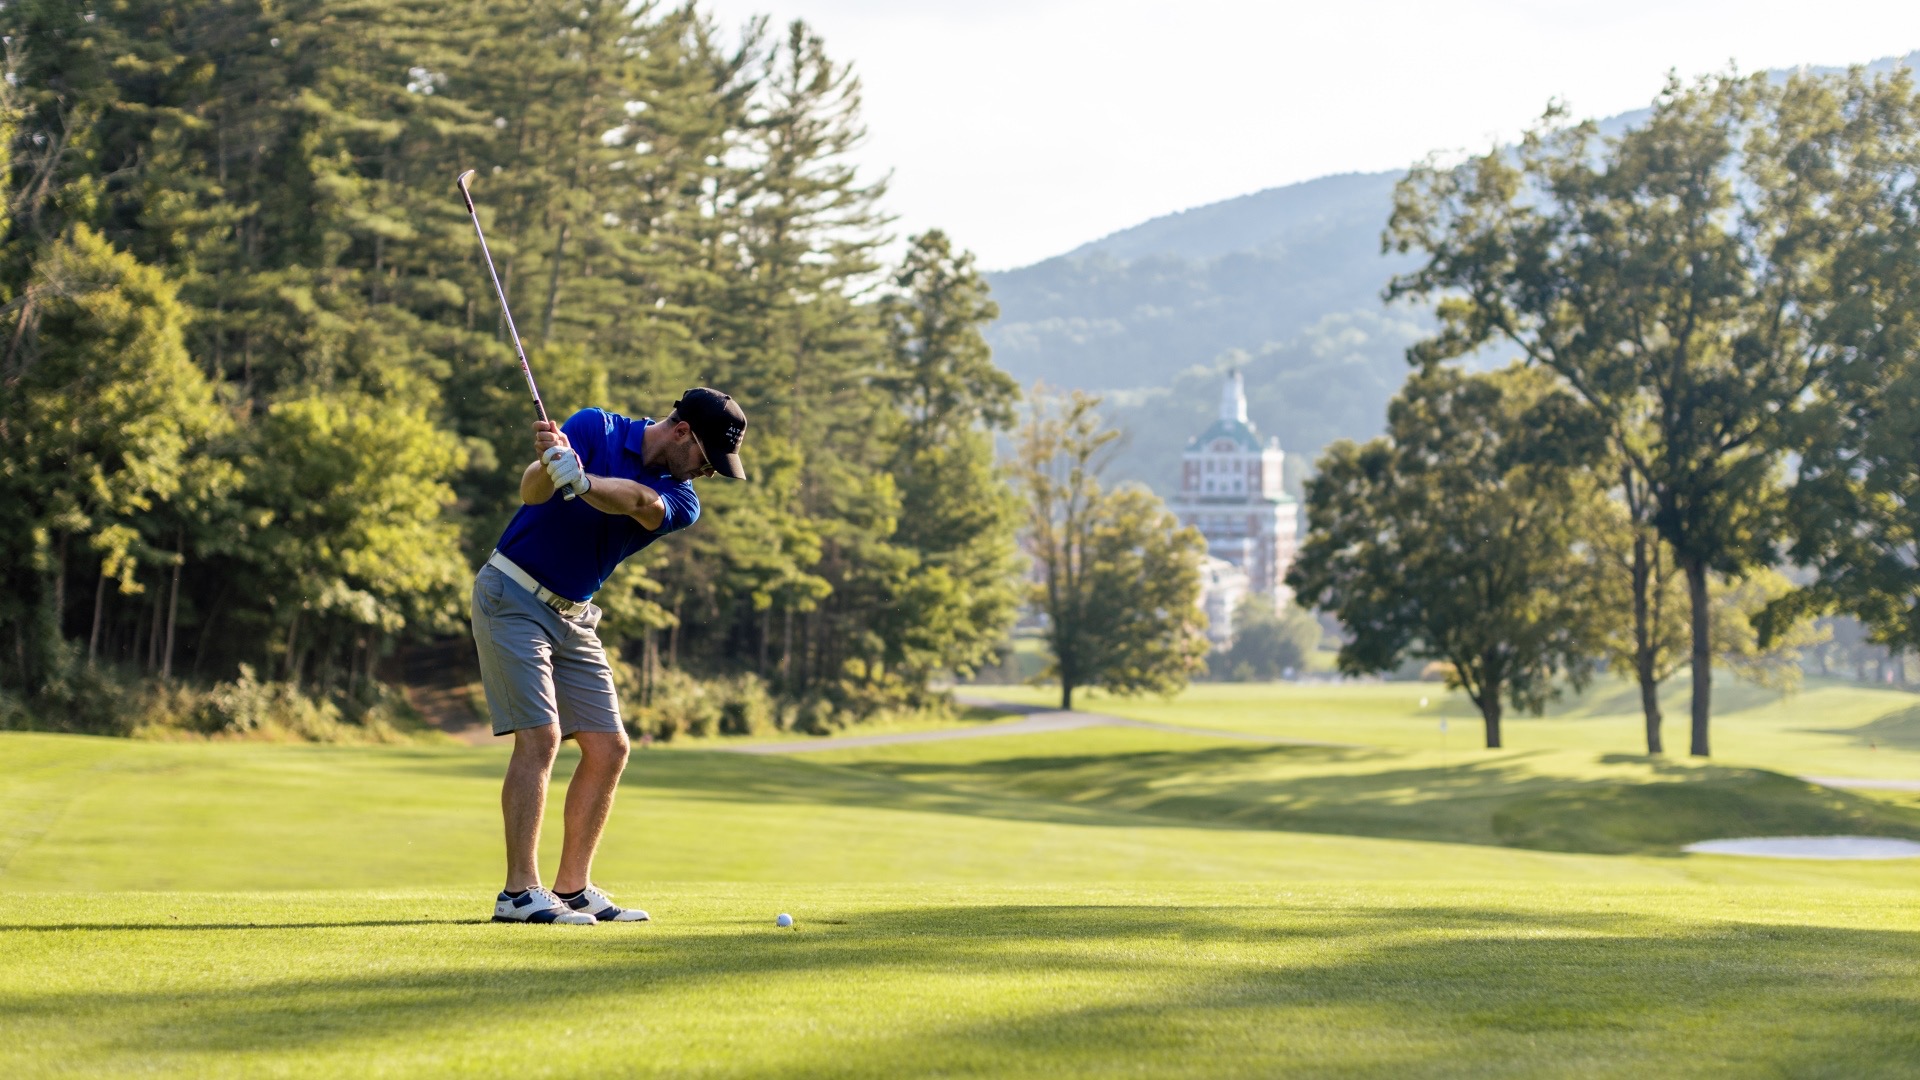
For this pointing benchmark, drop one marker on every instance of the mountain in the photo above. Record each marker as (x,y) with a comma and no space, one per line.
(1128,310)
(1284,283)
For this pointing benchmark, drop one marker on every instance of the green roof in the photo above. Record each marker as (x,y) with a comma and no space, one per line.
(1241,434)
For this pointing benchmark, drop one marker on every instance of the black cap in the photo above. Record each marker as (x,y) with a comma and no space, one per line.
(718,423)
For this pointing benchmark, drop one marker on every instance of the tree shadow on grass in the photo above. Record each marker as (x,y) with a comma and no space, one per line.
(1532,995)
(1500,803)
(1304,789)
(1249,989)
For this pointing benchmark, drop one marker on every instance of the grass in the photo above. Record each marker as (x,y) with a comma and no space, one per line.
(1090,903)
(1201,979)
(1829,728)
(1613,805)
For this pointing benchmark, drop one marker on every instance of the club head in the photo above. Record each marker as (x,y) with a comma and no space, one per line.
(465,179)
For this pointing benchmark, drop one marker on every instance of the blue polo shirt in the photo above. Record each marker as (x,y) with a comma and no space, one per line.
(569,546)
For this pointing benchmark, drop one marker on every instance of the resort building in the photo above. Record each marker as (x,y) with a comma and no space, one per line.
(1230,489)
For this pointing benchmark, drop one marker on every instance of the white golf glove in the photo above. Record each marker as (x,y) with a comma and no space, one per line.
(563,467)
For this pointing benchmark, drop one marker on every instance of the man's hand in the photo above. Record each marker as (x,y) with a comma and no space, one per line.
(546,436)
(563,468)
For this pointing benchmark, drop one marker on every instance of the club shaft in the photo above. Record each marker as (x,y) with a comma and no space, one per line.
(512,331)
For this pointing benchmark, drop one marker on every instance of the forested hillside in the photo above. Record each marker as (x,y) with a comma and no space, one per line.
(260,416)
(1284,282)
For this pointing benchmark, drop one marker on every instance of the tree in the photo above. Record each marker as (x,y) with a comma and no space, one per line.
(1120,579)
(957,511)
(1646,627)
(1772,659)
(364,549)
(102,414)
(1671,277)
(1855,503)
(1268,644)
(669,203)
(941,374)
(1457,538)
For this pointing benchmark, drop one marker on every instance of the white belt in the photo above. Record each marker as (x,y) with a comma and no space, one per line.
(569,608)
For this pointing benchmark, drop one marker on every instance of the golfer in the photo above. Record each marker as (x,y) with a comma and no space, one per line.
(545,672)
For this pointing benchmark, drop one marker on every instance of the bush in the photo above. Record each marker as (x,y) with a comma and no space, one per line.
(107,701)
(1269,644)
(680,703)
(817,716)
(87,701)
(247,706)
(745,706)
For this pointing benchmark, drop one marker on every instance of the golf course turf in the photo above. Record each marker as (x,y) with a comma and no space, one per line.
(1085,903)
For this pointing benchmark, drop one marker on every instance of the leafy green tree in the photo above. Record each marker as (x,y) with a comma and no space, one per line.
(1671,276)
(1643,600)
(1268,644)
(103,412)
(1119,578)
(1771,660)
(1648,634)
(354,491)
(1855,503)
(1457,538)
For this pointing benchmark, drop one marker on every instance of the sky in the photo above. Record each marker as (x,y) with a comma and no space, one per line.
(1025,128)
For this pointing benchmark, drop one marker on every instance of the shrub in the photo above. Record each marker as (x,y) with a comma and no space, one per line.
(1268,644)
(745,706)
(680,703)
(816,716)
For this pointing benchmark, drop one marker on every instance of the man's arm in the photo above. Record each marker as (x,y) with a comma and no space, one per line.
(536,486)
(628,498)
(607,494)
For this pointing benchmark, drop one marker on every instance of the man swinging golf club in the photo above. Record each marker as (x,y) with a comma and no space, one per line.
(627,484)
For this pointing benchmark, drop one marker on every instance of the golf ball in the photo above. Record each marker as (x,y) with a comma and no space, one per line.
(784,920)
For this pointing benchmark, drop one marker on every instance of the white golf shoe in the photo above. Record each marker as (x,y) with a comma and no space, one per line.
(537,905)
(596,903)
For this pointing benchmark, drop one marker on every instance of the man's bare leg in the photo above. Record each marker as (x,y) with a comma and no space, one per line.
(603,756)
(523,801)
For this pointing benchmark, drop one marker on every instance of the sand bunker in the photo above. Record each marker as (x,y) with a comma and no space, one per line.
(1811,847)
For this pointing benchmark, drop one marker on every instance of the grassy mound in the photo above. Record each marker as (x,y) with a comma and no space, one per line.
(1658,818)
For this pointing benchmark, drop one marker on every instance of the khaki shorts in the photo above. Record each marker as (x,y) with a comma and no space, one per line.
(538,666)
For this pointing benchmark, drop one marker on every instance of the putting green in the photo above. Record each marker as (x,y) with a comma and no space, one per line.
(1086,903)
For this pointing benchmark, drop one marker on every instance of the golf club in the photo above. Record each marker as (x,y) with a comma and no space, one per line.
(465,179)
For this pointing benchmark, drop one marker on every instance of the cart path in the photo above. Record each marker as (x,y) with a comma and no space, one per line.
(1863,784)
(1035,720)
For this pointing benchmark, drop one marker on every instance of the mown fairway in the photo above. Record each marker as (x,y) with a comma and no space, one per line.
(1096,902)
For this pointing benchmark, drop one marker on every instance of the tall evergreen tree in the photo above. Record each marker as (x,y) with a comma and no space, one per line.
(670,203)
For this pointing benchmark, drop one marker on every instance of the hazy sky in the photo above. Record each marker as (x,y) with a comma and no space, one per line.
(1027,127)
